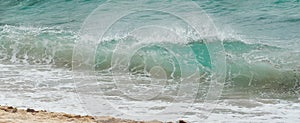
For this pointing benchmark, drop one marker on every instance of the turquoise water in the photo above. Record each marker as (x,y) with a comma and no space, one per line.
(261,40)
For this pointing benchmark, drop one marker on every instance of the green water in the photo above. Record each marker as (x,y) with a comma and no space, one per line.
(260,40)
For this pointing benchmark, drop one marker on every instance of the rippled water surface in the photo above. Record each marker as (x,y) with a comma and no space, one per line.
(261,43)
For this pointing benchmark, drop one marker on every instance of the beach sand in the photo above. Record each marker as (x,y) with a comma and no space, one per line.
(10,114)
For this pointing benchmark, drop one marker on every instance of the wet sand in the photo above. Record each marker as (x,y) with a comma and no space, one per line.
(10,114)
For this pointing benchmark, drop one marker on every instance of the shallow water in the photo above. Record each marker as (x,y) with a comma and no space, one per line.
(260,39)
(42,87)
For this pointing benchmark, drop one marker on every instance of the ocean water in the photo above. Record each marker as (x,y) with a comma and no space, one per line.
(161,68)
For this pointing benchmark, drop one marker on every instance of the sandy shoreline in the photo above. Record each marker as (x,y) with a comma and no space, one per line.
(9,114)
